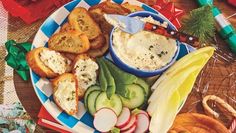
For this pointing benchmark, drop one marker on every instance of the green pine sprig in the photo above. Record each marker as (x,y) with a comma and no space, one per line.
(200,23)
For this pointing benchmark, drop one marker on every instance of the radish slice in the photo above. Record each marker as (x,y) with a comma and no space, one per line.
(142,123)
(131,130)
(143,112)
(130,124)
(104,119)
(124,118)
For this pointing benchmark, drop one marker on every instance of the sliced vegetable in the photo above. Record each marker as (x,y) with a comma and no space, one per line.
(138,111)
(91,101)
(124,118)
(90,89)
(104,120)
(131,130)
(136,96)
(147,91)
(164,116)
(131,123)
(145,86)
(142,122)
(113,103)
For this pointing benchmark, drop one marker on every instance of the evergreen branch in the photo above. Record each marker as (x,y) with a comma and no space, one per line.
(200,23)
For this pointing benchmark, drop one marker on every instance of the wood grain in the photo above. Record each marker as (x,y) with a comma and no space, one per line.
(215,78)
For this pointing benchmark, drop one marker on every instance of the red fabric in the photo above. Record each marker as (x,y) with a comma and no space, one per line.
(60,3)
(44,115)
(232,2)
(169,10)
(32,11)
(41,123)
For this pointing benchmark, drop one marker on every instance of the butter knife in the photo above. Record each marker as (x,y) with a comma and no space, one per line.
(133,25)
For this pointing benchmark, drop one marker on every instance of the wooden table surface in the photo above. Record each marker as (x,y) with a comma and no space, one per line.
(217,78)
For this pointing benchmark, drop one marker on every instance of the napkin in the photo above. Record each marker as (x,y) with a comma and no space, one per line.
(46,120)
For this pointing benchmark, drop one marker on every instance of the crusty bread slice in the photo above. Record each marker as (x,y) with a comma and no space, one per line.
(106,7)
(101,51)
(82,21)
(35,63)
(98,42)
(94,43)
(81,90)
(69,41)
(132,8)
(64,94)
(111,8)
(67,27)
(97,15)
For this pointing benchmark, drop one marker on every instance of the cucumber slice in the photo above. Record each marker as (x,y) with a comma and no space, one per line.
(136,94)
(114,103)
(91,101)
(90,89)
(145,86)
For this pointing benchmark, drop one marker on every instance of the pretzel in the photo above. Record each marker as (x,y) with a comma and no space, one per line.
(223,104)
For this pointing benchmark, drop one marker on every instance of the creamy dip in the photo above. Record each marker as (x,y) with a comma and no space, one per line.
(85,71)
(65,94)
(54,60)
(144,50)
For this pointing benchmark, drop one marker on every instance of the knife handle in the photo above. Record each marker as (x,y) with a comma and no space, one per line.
(182,37)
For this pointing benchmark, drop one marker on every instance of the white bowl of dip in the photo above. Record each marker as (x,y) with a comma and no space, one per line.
(144,53)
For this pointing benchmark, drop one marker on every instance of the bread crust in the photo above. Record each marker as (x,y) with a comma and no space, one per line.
(37,65)
(70,56)
(106,7)
(111,8)
(98,42)
(62,42)
(101,51)
(193,122)
(83,22)
(131,8)
(55,83)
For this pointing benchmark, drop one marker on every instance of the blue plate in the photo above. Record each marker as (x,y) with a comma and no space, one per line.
(81,122)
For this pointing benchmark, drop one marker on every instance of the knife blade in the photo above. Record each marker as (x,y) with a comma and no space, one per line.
(133,25)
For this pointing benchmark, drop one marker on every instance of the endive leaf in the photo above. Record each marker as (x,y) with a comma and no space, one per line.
(165,114)
(188,60)
(167,87)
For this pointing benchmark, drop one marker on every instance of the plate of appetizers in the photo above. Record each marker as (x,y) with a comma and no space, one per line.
(90,75)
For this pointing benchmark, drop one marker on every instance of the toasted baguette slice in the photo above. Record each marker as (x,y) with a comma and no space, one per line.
(38,66)
(69,41)
(85,76)
(101,51)
(67,27)
(65,93)
(132,8)
(97,15)
(111,8)
(82,21)
(98,42)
